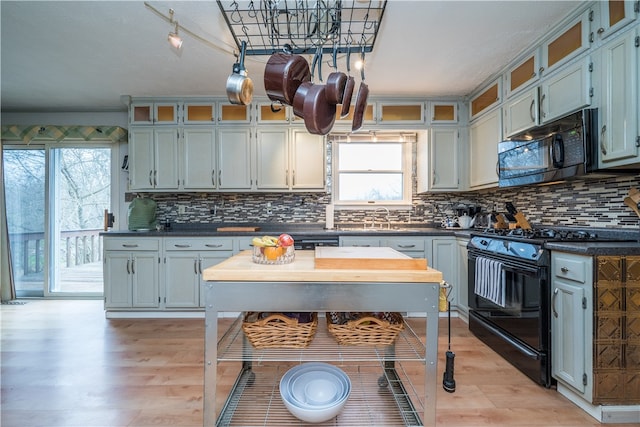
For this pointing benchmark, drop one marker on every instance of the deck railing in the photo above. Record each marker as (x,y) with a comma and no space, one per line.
(77,247)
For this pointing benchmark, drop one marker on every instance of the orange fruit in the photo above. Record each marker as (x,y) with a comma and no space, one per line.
(273,252)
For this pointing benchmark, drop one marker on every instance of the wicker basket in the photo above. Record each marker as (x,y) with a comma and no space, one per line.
(279,331)
(367,330)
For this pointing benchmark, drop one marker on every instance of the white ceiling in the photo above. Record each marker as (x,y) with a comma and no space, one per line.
(83,56)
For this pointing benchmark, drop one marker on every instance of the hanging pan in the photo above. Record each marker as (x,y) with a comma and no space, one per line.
(348,88)
(283,74)
(239,86)
(361,100)
(336,81)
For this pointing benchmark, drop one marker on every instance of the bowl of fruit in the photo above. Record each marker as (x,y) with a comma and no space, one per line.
(273,250)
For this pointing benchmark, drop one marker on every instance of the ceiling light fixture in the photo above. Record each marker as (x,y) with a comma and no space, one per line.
(175,39)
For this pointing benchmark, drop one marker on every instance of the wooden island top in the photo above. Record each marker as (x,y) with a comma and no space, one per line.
(241,268)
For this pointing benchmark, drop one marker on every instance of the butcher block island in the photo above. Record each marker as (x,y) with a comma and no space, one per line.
(381,394)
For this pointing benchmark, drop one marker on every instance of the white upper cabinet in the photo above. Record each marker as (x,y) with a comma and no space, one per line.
(484,101)
(443,112)
(521,112)
(569,42)
(199,112)
(444,158)
(484,135)
(234,159)
(270,113)
(616,14)
(199,159)
(154,113)
(523,74)
(153,158)
(233,114)
(308,160)
(566,91)
(620,93)
(290,160)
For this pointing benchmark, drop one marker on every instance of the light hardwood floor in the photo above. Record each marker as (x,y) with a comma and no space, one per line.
(64,364)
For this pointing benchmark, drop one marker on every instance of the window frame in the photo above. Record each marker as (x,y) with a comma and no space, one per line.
(406,170)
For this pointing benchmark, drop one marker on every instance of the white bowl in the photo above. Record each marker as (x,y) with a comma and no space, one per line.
(315,392)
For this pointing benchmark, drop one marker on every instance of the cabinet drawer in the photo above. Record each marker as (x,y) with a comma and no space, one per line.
(570,268)
(137,244)
(405,245)
(198,244)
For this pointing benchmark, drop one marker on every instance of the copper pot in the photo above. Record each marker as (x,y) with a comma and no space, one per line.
(283,74)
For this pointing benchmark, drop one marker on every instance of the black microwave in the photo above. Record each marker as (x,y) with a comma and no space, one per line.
(564,149)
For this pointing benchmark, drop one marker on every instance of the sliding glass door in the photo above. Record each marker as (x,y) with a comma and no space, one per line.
(25,183)
(56,198)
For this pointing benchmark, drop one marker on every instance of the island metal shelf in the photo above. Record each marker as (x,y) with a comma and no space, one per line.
(237,285)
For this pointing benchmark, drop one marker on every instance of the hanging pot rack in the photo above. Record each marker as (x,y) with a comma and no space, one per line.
(304,26)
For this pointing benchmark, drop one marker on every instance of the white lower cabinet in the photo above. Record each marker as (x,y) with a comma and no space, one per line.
(571,321)
(359,241)
(463,275)
(184,261)
(445,259)
(131,272)
(412,246)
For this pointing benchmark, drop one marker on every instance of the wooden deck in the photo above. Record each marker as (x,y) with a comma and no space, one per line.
(86,278)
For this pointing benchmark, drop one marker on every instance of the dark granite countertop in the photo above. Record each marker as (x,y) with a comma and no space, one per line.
(596,248)
(298,230)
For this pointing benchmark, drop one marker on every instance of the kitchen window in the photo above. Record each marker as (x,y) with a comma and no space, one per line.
(372,171)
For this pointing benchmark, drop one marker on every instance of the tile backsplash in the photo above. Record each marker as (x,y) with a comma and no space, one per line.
(590,202)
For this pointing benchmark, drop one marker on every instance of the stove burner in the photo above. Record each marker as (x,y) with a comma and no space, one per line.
(542,234)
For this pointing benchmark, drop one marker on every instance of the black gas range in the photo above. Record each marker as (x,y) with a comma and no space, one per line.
(509,291)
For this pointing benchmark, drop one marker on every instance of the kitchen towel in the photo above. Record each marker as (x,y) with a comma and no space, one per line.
(490,280)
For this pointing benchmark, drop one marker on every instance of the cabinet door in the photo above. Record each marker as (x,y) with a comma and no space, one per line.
(199,112)
(273,159)
(141,163)
(206,260)
(182,279)
(525,73)
(234,159)
(463,275)
(443,159)
(117,279)
(165,174)
(308,160)
(199,159)
(618,133)
(568,334)
(144,275)
(571,41)
(484,136)
(401,113)
(445,259)
(521,113)
(614,15)
(566,92)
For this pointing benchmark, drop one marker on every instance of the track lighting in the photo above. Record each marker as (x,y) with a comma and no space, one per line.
(174,39)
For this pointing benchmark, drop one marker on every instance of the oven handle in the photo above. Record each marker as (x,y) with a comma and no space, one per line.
(526,351)
(516,267)
(553,303)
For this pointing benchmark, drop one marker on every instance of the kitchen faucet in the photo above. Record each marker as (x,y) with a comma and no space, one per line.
(383,209)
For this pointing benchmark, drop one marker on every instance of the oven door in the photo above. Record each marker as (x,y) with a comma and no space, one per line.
(526,303)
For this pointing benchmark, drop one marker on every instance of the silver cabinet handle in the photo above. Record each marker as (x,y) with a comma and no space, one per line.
(200,265)
(128,266)
(213,177)
(155,178)
(565,270)
(219,177)
(129,245)
(406,246)
(186,245)
(533,117)
(603,147)
(213,245)
(151,177)
(195,266)
(133,266)
(553,303)
(541,105)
